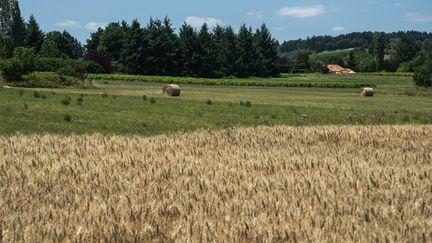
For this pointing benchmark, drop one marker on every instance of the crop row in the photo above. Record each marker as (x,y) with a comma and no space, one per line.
(230,82)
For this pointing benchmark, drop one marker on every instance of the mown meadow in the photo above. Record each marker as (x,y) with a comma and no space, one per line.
(138,107)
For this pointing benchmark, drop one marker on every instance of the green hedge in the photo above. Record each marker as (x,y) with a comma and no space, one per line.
(48,80)
(43,64)
(229,82)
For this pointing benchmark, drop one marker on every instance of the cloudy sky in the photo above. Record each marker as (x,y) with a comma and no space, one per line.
(288,19)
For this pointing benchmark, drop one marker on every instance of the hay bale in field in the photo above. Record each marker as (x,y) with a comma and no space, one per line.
(171,90)
(367,92)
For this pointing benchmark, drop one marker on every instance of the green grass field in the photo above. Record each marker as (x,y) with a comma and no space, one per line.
(118,107)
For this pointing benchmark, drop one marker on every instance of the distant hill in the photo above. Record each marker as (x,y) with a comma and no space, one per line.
(363,40)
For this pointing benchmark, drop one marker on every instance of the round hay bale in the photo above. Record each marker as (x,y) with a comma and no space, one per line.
(171,90)
(367,92)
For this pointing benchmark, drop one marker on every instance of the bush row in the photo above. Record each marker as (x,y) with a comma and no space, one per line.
(399,74)
(47,80)
(43,64)
(228,82)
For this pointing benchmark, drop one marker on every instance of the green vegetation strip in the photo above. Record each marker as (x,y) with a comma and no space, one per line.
(398,74)
(271,82)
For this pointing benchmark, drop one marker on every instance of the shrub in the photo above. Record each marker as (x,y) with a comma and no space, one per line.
(209,102)
(12,70)
(48,80)
(423,74)
(80,100)
(104,95)
(80,71)
(246,103)
(25,106)
(94,67)
(36,95)
(99,59)
(27,56)
(152,100)
(66,71)
(66,100)
(67,117)
(404,67)
(145,97)
(20,92)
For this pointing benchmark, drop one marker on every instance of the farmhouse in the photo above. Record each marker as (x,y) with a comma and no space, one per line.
(334,68)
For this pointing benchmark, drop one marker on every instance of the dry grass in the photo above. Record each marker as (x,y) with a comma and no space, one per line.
(258,184)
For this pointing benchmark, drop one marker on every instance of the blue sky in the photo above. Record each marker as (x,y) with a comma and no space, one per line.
(288,19)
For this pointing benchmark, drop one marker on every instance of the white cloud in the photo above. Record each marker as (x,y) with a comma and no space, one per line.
(95,25)
(69,24)
(338,28)
(302,11)
(279,28)
(199,21)
(418,17)
(253,14)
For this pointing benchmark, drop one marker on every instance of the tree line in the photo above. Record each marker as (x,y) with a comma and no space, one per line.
(153,49)
(405,54)
(360,40)
(156,49)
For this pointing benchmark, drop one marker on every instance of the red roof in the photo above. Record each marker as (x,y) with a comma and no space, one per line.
(334,68)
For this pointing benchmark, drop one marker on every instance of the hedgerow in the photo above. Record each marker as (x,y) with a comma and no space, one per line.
(229,82)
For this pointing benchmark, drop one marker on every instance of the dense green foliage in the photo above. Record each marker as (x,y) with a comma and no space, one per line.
(61,45)
(379,50)
(273,82)
(27,56)
(423,74)
(34,35)
(12,69)
(49,80)
(157,50)
(360,40)
(397,74)
(363,52)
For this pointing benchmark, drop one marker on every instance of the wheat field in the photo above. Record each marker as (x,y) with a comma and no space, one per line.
(264,184)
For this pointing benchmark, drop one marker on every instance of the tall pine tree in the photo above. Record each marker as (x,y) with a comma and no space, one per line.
(206,59)
(246,61)
(6,41)
(18,30)
(379,48)
(231,51)
(266,53)
(112,41)
(34,36)
(188,42)
(134,53)
(162,43)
